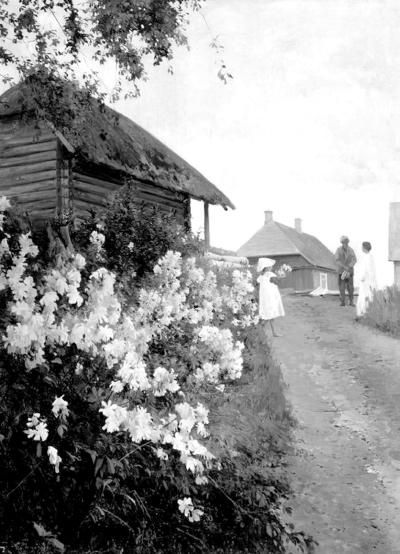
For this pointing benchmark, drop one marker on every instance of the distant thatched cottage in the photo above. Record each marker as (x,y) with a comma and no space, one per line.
(313,264)
(46,174)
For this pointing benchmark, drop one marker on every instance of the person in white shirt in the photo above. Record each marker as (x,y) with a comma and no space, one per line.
(270,302)
(367,279)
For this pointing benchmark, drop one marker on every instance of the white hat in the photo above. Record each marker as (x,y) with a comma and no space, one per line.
(265,262)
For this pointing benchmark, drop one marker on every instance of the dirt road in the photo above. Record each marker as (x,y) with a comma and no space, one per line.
(344,384)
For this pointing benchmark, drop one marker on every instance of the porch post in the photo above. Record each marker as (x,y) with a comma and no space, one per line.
(206,226)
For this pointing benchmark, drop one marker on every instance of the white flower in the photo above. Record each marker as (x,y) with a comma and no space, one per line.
(185,506)
(201,480)
(187,509)
(139,424)
(196,515)
(115,415)
(78,368)
(187,416)
(160,453)
(4,204)
(79,261)
(97,239)
(164,381)
(130,246)
(28,248)
(54,458)
(60,407)
(116,387)
(37,428)
(133,372)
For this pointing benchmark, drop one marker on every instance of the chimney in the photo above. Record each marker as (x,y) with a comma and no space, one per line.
(297,225)
(268,217)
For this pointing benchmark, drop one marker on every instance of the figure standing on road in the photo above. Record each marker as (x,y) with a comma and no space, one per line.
(346,260)
(270,302)
(367,277)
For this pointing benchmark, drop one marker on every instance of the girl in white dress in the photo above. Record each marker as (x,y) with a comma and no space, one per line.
(367,278)
(270,302)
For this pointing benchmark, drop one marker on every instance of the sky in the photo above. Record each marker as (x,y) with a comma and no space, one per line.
(308,127)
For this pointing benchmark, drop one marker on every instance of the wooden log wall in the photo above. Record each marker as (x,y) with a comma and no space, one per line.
(91,189)
(28,167)
(39,173)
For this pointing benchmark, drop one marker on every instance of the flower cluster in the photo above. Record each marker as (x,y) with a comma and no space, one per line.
(37,428)
(54,458)
(4,206)
(145,396)
(97,240)
(188,510)
(60,408)
(217,344)
(283,270)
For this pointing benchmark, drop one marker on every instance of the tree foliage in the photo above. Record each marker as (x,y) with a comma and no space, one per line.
(59,32)
(60,48)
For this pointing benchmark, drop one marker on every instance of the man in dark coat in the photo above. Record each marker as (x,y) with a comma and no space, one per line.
(346,260)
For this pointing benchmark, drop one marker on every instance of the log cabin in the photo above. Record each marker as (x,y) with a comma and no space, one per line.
(313,264)
(48,174)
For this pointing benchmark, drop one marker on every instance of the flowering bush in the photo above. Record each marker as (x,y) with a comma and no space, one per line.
(105,428)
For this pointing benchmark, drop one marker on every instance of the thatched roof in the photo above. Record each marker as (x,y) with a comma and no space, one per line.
(275,239)
(107,138)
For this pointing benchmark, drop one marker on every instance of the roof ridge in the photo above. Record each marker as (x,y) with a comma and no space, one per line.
(293,229)
(300,236)
(280,225)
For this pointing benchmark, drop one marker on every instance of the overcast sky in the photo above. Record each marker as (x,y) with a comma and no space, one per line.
(308,127)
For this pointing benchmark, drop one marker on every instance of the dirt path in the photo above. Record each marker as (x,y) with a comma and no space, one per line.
(344,385)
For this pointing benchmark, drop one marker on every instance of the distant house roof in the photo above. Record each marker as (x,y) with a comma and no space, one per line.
(110,139)
(276,239)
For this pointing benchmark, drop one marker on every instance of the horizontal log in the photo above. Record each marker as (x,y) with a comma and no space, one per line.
(14,190)
(80,184)
(27,172)
(154,189)
(97,181)
(11,150)
(99,196)
(22,161)
(152,199)
(46,213)
(47,203)
(86,183)
(89,198)
(85,208)
(32,196)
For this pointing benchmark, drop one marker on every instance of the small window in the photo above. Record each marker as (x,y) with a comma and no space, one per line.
(323,281)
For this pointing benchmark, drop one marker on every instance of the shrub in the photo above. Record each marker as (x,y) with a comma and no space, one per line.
(383,311)
(105,441)
(135,236)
